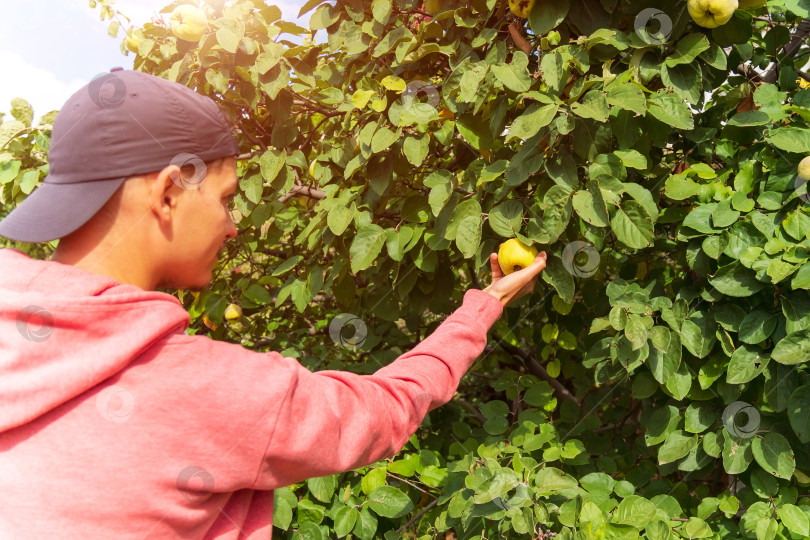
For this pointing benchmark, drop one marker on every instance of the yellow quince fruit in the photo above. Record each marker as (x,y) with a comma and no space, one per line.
(514,255)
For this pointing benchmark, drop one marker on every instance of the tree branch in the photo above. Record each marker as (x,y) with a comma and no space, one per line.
(789,50)
(537,369)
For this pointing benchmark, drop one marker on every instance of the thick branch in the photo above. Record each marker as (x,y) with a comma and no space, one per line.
(306,191)
(789,50)
(537,369)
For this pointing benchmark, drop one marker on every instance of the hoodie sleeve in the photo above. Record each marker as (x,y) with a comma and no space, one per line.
(333,421)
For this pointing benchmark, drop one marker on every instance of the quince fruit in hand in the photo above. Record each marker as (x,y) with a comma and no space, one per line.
(804,169)
(188,22)
(711,13)
(521,8)
(233,312)
(514,255)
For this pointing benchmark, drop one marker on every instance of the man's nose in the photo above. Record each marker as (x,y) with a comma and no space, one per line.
(232,230)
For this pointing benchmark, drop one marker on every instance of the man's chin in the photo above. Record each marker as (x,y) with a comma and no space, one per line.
(193,285)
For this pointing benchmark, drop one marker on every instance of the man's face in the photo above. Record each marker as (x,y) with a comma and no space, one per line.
(203,224)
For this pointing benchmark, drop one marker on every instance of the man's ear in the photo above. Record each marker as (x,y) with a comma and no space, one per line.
(163,193)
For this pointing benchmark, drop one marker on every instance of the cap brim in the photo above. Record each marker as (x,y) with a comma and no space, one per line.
(55,210)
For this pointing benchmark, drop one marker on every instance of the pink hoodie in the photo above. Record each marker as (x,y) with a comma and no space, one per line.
(114,423)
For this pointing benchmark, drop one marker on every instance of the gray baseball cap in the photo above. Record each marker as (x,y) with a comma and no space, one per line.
(120,124)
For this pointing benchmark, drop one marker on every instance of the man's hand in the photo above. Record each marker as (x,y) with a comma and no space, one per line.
(509,288)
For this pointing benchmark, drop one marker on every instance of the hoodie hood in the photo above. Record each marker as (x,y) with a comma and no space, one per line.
(64,330)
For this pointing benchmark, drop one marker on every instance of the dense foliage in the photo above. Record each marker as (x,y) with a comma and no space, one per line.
(656,384)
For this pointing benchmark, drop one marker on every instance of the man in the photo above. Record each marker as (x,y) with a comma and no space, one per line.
(114,423)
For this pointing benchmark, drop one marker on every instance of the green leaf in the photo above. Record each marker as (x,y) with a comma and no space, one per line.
(737,454)
(286,265)
(22,111)
(345,520)
(680,382)
(632,225)
(687,50)
(253,187)
(665,353)
(389,502)
(230,34)
(594,105)
(514,75)
(545,16)
(746,363)
(416,149)
(506,218)
(258,294)
(468,235)
(661,423)
(9,170)
(793,349)
(475,130)
(323,487)
(735,280)
(699,218)
(773,453)
(467,208)
(380,10)
(678,187)
(698,333)
(282,514)
(360,98)
(397,241)
(628,96)
(590,205)
(557,212)
(790,139)
(671,110)
(372,480)
(339,217)
(757,326)
(392,82)
(271,162)
(366,525)
(798,411)
(559,277)
(635,511)
(741,236)
(383,138)
(366,245)
(794,519)
(636,332)
(676,446)
(550,479)
(632,158)
(532,121)
(501,482)
(699,417)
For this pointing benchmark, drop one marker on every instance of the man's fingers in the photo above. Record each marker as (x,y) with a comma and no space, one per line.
(496,268)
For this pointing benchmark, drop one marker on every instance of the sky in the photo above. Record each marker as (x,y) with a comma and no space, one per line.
(51,48)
